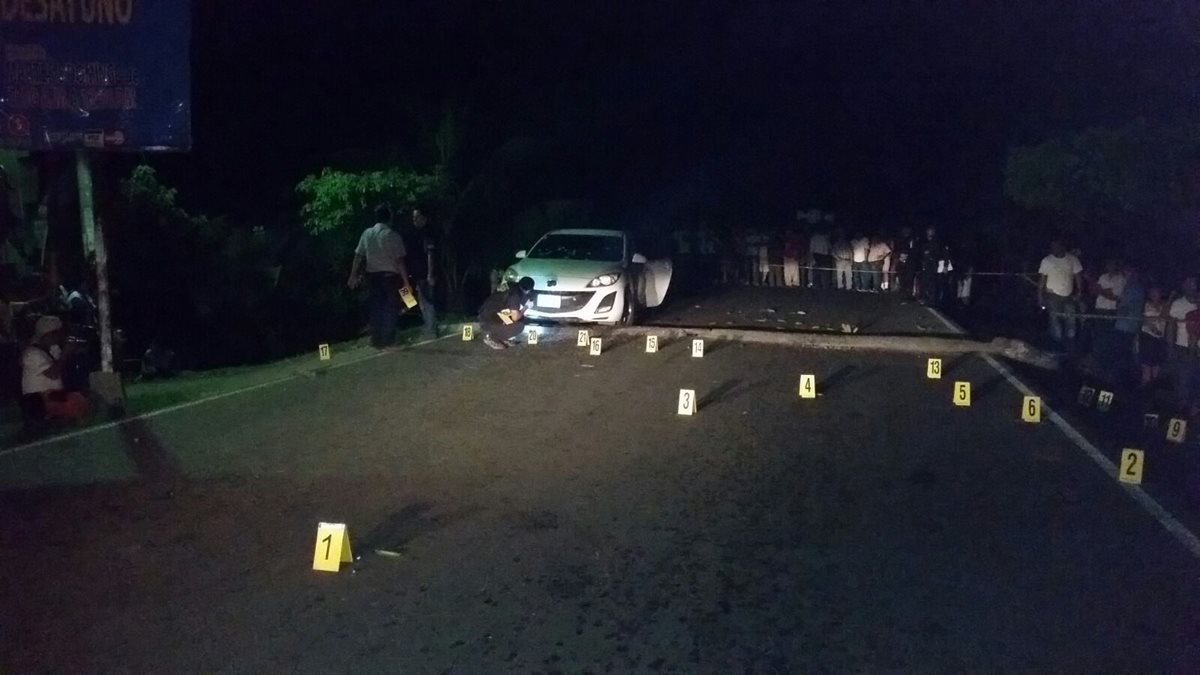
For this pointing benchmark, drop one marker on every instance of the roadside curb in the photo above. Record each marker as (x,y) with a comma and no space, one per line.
(1008,348)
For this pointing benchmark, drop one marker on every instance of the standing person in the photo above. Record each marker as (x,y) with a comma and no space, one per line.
(877,254)
(1152,340)
(501,317)
(1109,287)
(43,363)
(904,261)
(422,254)
(859,246)
(932,266)
(708,253)
(822,259)
(1061,283)
(380,254)
(764,260)
(793,253)
(1180,356)
(843,256)
(1122,339)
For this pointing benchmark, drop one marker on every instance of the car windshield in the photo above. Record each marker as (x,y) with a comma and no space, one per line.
(607,248)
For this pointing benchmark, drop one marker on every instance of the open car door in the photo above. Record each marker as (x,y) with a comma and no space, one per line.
(656,278)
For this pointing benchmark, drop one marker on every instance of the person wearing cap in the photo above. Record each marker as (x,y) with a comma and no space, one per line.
(42,364)
(501,318)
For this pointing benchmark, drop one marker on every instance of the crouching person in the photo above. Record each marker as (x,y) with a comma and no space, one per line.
(42,363)
(501,318)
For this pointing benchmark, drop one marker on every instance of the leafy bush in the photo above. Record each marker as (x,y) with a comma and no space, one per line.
(217,292)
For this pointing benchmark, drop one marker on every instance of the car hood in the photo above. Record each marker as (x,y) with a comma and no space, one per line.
(546,269)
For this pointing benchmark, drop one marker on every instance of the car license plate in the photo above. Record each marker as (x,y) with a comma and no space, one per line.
(552,301)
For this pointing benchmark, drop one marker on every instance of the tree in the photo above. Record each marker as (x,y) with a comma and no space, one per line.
(1104,175)
(337,200)
(1111,182)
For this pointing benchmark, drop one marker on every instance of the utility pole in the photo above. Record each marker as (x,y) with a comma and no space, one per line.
(93,242)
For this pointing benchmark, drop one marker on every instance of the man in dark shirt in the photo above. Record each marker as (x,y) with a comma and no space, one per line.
(501,316)
(935,257)
(905,257)
(422,245)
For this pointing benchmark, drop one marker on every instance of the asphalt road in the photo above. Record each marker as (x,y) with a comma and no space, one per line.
(552,513)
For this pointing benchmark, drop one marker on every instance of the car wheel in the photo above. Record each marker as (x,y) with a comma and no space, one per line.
(630,314)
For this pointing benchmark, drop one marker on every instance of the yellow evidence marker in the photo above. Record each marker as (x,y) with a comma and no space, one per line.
(1130,470)
(594,350)
(532,337)
(1031,409)
(323,352)
(406,295)
(582,340)
(1176,430)
(933,369)
(808,386)
(468,333)
(687,401)
(962,393)
(332,548)
(651,344)
(697,349)
(1104,401)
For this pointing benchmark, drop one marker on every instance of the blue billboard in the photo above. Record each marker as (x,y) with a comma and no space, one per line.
(102,74)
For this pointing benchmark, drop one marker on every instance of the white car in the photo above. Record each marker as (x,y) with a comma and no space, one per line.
(590,276)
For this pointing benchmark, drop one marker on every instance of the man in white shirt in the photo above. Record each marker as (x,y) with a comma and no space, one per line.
(1180,358)
(1178,311)
(859,247)
(877,254)
(380,253)
(1061,282)
(822,259)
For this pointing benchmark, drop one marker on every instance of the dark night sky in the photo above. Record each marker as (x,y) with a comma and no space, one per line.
(884,109)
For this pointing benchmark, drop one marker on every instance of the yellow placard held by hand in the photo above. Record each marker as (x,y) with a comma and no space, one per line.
(506,316)
(1031,409)
(333,547)
(323,352)
(1132,463)
(406,296)
(933,369)
(962,393)
(468,333)
(808,386)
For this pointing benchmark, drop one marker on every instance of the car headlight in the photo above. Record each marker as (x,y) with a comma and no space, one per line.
(604,280)
(510,274)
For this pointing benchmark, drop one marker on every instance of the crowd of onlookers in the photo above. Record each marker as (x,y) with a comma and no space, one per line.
(820,254)
(1122,323)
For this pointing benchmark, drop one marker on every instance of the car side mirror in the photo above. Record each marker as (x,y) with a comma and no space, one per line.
(639,259)
(521,254)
